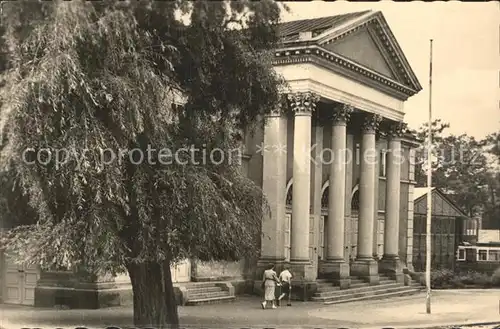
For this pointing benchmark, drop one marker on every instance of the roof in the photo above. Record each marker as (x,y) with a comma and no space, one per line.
(420,191)
(318,38)
(292,28)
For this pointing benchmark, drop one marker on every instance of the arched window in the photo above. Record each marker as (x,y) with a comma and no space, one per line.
(289,193)
(355,200)
(383,163)
(325,197)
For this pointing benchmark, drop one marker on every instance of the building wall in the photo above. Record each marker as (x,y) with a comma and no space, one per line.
(219,270)
(446,231)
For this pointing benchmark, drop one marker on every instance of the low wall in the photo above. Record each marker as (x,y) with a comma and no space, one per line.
(217,271)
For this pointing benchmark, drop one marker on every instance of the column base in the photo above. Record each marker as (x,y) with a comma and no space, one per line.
(391,266)
(304,284)
(338,272)
(366,269)
(303,270)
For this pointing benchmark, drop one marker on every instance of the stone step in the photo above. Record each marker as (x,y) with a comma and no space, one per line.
(406,292)
(352,291)
(205,295)
(382,275)
(206,301)
(386,281)
(356,280)
(385,277)
(322,281)
(203,289)
(368,293)
(325,288)
(359,285)
(201,284)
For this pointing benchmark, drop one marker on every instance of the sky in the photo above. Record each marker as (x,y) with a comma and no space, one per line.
(466,57)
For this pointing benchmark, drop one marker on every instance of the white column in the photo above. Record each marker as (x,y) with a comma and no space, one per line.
(390,261)
(273,186)
(302,104)
(367,188)
(365,266)
(391,235)
(336,267)
(336,201)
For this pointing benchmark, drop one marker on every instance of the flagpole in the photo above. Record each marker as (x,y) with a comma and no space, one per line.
(429,194)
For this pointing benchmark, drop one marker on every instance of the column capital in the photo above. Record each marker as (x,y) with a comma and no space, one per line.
(396,129)
(341,114)
(303,102)
(371,123)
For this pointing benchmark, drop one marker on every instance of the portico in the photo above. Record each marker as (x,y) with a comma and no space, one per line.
(334,153)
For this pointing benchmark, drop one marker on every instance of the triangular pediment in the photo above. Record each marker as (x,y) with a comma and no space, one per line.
(361,47)
(369,42)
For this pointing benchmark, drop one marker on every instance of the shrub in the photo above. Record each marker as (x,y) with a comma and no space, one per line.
(476,279)
(440,278)
(495,278)
(456,282)
(445,279)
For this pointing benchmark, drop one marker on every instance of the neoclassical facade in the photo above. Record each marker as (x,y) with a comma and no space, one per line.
(334,161)
(336,157)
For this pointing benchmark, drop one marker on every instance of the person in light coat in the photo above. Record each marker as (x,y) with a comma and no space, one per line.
(269,282)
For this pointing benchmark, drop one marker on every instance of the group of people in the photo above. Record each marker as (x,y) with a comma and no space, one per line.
(270,281)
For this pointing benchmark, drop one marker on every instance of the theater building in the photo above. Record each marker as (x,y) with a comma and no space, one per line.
(334,160)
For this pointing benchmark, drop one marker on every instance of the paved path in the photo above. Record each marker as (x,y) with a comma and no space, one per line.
(448,307)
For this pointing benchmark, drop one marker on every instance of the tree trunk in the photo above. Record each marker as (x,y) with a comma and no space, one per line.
(169,295)
(149,300)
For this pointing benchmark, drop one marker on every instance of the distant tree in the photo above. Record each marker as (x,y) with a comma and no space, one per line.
(492,141)
(437,128)
(463,169)
(491,215)
(89,76)
(460,167)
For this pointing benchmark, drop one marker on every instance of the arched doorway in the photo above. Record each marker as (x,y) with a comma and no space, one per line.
(287,227)
(351,226)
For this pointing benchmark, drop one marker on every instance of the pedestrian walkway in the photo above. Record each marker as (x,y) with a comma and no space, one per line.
(448,308)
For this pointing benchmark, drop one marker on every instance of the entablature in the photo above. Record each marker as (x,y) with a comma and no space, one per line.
(339,64)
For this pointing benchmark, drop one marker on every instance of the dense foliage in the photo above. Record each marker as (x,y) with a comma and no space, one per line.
(466,168)
(88,82)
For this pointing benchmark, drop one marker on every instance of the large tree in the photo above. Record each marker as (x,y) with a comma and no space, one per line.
(89,82)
